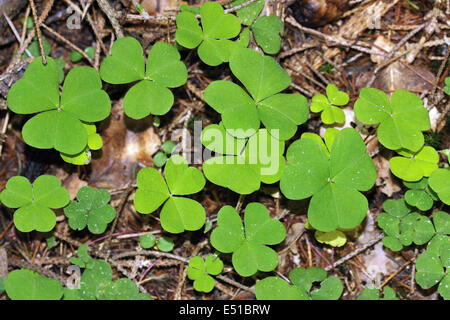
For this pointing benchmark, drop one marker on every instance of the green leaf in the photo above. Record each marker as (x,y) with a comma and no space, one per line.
(447,86)
(34,203)
(151,191)
(334,238)
(430,270)
(200,271)
(180,214)
(267,31)
(333,181)
(212,41)
(420,195)
(250,251)
(441,222)
(373,293)
(249,13)
(122,289)
(264,78)
(273,288)
(414,166)
(83,258)
(327,105)
(164,70)
(165,244)
(181,179)
(147,241)
(401,120)
(168,147)
(439,183)
(2,286)
(25,284)
(92,209)
(159,159)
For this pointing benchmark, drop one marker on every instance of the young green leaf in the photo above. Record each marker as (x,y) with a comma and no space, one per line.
(34,203)
(200,271)
(439,183)
(244,164)
(147,241)
(447,86)
(413,166)
(264,78)
(178,214)
(273,288)
(373,293)
(165,244)
(333,180)
(327,105)
(58,124)
(249,245)
(95,142)
(25,284)
(401,120)
(214,46)
(163,70)
(83,260)
(91,210)
(267,31)
(420,194)
(334,238)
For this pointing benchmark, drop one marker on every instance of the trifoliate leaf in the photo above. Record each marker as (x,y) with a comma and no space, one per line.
(34,203)
(249,247)
(414,166)
(245,163)
(420,196)
(401,120)
(91,210)
(333,180)
(164,70)
(25,284)
(214,47)
(58,125)
(328,105)
(439,183)
(200,271)
(267,31)
(95,142)
(83,260)
(264,78)
(273,288)
(178,214)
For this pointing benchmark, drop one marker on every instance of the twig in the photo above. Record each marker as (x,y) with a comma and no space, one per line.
(240,6)
(37,25)
(110,13)
(356,252)
(397,272)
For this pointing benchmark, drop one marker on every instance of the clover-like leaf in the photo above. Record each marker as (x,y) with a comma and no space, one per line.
(432,267)
(163,70)
(373,293)
(165,244)
(122,289)
(249,244)
(34,203)
(147,241)
(273,288)
(91,210)
(402,119)
(200,271)
(403,227)
(214,46)
(2,285)
(58,123)
(84,259)
(439,183)
(328,105)
(243,163)
(267,31)
(447,86)
(333,180)
(178,214)
(420,194)
(413,166)
(264,78)
(25,284)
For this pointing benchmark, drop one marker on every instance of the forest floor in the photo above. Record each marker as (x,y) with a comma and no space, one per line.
(398,47)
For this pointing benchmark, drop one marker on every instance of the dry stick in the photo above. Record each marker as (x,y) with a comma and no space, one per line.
(356,252)
(70,44)
(16,33)
(111,14)
(37,24)
(397,272)
(240,6)
(441,70)
(235,283)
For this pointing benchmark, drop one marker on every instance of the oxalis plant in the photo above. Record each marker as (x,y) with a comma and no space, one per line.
(246,151)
